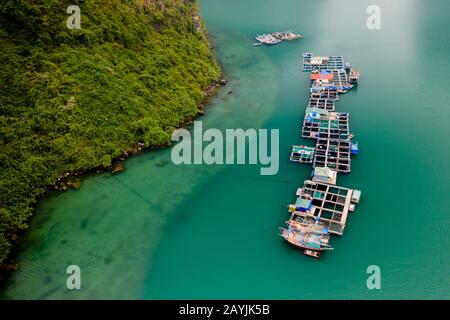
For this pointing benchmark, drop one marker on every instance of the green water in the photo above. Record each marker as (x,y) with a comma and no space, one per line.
(158,231)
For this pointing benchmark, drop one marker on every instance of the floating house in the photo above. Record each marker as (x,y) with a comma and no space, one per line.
(325,175)
(322,75)
(320,68)
(356,195)
(354,76)
(303,205)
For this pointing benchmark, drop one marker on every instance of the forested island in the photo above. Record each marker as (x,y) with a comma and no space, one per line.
(75,100)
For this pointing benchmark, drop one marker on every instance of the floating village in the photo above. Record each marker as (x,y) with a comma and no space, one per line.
(322,207)
(276,37)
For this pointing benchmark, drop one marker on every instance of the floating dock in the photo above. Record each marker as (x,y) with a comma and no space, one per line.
(302,154)
(321,124)
(311,62)
(325,93)
(328,204)
(354,76)
(334,154)
(321,204)
(322,103)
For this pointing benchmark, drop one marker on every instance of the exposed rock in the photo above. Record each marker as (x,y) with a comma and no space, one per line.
(8,267)
(76,184)
(118,167)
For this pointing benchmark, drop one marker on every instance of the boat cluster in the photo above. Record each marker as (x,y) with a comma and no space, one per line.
(276,37)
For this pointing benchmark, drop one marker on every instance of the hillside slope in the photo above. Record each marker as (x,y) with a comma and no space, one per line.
(73,100)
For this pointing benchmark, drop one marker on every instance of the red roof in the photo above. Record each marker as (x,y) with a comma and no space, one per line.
(321,76)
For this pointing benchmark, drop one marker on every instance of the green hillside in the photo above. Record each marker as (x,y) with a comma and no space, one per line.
(75,99)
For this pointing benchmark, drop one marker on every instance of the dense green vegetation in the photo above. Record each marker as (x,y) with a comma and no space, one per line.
(72,100)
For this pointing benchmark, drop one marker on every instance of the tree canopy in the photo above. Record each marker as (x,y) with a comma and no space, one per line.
(74,99)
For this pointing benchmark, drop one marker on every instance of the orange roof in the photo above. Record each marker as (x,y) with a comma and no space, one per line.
(321,76)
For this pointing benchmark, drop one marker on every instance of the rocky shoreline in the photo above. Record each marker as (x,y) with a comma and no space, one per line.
(72,180)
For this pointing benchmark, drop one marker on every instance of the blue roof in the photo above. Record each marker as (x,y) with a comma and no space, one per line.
(303,203)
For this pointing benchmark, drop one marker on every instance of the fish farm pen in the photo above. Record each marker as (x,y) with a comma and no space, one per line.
(302,154)
(325,94)
(334,154)
(321,124)
(311,63)
(322,207)
(327,203)
(322,103)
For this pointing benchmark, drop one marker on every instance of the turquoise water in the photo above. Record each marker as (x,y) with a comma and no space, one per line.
(158,231)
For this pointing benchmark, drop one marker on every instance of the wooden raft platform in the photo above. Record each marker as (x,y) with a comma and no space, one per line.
(330,204)
(334,154)
(310,62)
(321,124)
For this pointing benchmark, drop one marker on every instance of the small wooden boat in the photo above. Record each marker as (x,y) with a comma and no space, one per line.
(307,236)
(312,253)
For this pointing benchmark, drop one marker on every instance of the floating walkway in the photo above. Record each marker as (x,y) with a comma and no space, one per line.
(322,207)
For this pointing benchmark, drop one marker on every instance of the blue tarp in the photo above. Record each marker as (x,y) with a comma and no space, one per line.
(303,204)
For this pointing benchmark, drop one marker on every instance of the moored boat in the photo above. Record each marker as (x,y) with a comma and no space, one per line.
(277,37)
(308,236)
(354,149)
(312,253)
